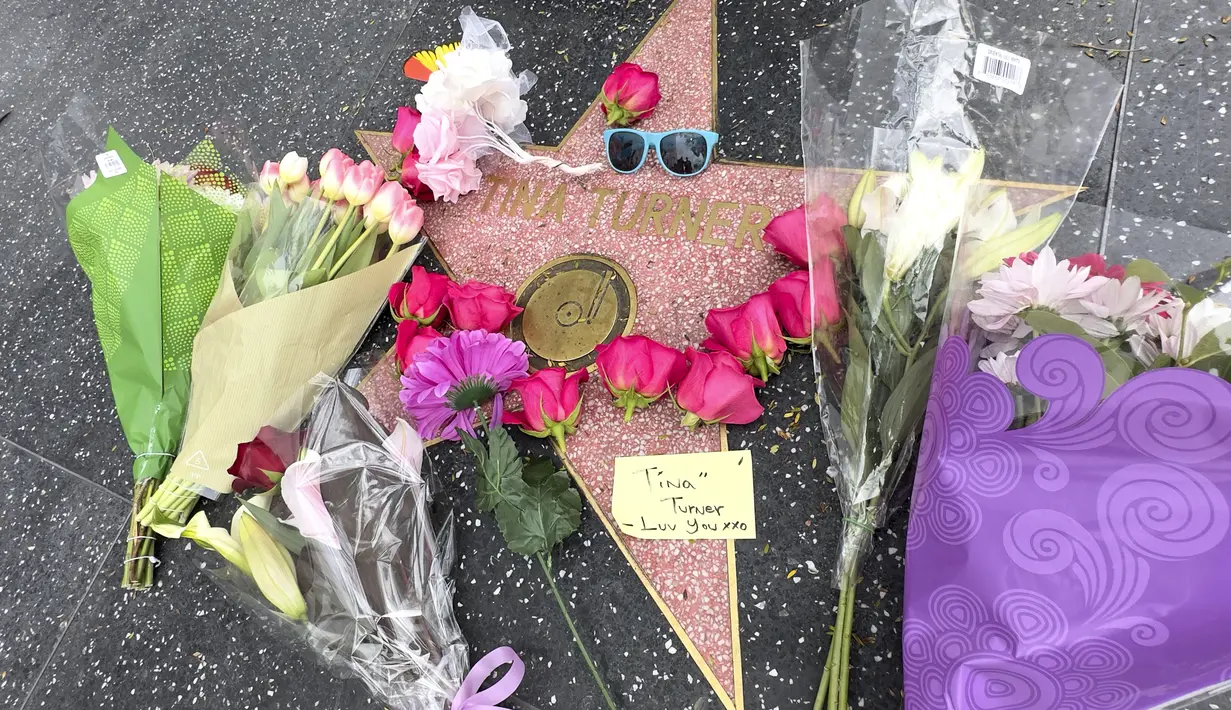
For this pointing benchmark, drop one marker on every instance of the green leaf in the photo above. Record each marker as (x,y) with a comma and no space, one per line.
(856,394)
(312,277)
(854,244)
(1116,368)
(1190,294)
(872,275)
(1045,322)
(361,258)
(1213,344)
(550,513)
(1163,360)
(284,534)
(1146,270)
(499,468)
(905,406)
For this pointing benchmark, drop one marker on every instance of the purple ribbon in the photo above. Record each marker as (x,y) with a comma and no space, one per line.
(468,696)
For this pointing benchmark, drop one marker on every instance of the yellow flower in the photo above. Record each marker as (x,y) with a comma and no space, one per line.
(421,64)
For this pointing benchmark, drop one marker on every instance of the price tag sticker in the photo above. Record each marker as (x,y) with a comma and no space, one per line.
(109,164)
(1000,68)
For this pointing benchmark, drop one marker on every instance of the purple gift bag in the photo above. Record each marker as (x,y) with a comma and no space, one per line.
(1080,562)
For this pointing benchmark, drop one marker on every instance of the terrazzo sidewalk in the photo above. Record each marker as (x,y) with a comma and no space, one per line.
(303,74)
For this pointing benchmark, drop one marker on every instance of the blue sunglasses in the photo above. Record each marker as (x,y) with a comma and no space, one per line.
(683,153)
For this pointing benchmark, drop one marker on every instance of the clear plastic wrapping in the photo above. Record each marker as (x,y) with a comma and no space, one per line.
(914,125)
(373,572)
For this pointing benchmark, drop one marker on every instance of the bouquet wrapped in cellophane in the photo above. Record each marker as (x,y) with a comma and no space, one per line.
(151,237)
(922,124)
(335,539)
(306,276)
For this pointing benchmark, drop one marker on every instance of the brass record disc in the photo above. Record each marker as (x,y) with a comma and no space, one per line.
(573,304)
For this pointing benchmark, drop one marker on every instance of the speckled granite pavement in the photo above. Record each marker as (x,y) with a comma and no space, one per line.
(303,74)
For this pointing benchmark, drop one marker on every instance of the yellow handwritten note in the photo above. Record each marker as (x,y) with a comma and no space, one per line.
(702,496)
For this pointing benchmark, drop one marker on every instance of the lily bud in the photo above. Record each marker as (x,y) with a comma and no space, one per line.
(269,563)
(854,210)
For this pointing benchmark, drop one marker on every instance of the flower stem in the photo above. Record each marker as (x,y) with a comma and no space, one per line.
(545,563)
(898,338)
(629,409)
(821,691)
(333,238)
(337,266)
(844,657)
(316,233)
(138,570)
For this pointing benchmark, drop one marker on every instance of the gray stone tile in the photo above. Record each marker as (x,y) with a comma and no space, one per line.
(54,533)
(1173,168)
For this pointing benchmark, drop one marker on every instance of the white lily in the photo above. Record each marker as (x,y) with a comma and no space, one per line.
(270,564)
(917,212)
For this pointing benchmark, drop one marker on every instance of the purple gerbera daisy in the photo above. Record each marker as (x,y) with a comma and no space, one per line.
(446,384)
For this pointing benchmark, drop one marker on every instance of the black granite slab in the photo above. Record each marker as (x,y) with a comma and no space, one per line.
(55,531)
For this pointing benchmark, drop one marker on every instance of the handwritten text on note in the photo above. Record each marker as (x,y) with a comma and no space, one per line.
(702,496)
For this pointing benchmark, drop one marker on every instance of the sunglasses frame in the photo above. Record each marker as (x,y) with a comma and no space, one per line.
(652,140)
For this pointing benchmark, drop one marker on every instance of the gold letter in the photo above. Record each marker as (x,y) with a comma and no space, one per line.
(683,213)
(752,228)
(554,205)
(493,180)
(631,222)
(602,194)
(716,220)
(506,206)
(658,205)
(525,197)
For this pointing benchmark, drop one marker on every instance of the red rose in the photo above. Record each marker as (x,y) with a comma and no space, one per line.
(629,94)
(550,403)
(788,232)
(750,332)
(716,389)
(638,370)
(422,299)
(261,462)
(412,339)
(479,306)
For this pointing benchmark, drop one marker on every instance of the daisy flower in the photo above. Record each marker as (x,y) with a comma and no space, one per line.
(1003,366)
(1124,303)
(1203,318)
(446,384)
(1046,284)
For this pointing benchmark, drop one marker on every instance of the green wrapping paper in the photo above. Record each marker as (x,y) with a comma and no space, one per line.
(153,250)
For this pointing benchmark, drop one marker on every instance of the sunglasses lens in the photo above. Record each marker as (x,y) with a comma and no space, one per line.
(684,152)
(625,150)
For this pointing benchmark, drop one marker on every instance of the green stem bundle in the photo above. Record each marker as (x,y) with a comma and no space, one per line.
(139,548)
(835,681)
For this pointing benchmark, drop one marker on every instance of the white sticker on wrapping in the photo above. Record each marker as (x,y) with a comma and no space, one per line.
(109,164)
(1000,68)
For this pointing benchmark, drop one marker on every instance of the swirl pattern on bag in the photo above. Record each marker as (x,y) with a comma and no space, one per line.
(1078,562)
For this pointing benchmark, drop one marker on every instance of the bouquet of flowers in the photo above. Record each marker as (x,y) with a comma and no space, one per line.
(916,140)
(152,238)
(1076,441)
(336,540)
(305,278)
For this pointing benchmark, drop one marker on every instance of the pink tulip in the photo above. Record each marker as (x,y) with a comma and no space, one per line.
(410,178)
(385,202)
(361,183)
(422,299)
(404,129)
(269,177)
(629,94)
(750,332)
(551,403)
(788,232)
(716,389)
(638,370)
(478,306)
(299,190)
(406,222)
(334,166)
(412,339)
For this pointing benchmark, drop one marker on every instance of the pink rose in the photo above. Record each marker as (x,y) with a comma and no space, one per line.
(412,339)
(404,129)
(1026,256)
(410,178)
(435,137)
(788,232)
(716,389)
(750,332)
(478,306)
(550,401)
(422,299)
(790,298)
(451,177)
(638,370)
(629,94)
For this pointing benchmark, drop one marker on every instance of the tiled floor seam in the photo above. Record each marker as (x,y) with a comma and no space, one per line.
(1115,146)
(85,594)
(59,467)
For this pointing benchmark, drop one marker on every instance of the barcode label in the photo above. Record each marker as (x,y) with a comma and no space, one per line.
(1000,68)
(109,164)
